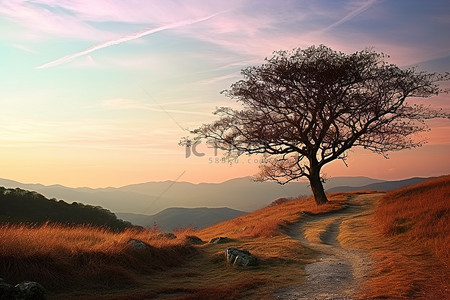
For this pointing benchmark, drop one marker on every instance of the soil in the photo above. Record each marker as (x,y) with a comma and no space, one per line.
(338,272)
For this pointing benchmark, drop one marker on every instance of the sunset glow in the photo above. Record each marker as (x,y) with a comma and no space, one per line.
(99,93)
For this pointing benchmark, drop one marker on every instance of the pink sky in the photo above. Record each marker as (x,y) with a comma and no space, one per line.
(98,93)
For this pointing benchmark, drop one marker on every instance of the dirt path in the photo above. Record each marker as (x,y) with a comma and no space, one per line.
(338,272)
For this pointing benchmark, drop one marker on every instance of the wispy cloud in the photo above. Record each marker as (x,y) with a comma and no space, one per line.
(123,104)
(123,39)
(98,134)
(37,21)
(214,80)
(358,10)
(24,48)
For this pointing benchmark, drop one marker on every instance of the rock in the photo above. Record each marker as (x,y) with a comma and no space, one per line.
(30,290)
(241,258)
(26,290)
(220,240)
(168,235)
(138,245)
(193,240)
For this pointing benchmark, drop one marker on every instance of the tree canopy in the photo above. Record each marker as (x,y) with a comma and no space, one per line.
(306,107)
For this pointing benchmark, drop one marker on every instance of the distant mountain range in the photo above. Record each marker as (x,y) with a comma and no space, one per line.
(381,186)
(172,204)
(152,197)
(179,217)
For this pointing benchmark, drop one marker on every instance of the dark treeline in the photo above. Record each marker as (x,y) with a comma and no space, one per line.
(21,206)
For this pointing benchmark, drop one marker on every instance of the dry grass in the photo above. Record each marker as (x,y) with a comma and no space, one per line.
(208,276)
(266,222)
(63,257)
(281,258)
(93,263)
(421,214)
(408,239)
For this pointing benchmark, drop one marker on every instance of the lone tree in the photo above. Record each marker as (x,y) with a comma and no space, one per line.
(305,108)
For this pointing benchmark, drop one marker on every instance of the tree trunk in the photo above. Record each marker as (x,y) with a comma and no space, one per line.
(317,186)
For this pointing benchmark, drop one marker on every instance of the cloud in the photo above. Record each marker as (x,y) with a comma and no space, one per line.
(122,39)
(37,20)
(95,134)
(252,29)
(224,78)
(123,104)
(24,48)
(358,10)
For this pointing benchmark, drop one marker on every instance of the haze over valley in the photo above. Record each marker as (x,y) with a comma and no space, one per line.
(171,205)
(149,198)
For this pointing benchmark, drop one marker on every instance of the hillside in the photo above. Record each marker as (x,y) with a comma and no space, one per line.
(392,246)
(21,206)
(416,220)
(179,217)
(407,237)
(102,265)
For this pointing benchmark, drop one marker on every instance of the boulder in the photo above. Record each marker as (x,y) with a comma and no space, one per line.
(138,245)
(193,240)
(241,258)
(30,290)
(220,240)
(26,290)
(168,235)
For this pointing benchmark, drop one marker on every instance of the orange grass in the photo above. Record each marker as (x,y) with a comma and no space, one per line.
(416,221)
(70,262)
(408,239)
(267,222)
(420,214)
(59,257)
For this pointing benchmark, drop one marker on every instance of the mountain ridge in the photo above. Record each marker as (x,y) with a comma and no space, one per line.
(152,197)
(381,186)
(181,217)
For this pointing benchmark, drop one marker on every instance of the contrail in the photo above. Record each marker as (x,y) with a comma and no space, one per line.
(352,14)
(120,40)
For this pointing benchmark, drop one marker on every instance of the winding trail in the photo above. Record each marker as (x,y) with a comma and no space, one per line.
(339,271)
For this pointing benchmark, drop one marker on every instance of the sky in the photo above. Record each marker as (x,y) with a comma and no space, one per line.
(99,93)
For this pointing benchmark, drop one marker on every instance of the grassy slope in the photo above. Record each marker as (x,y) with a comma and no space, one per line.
(71,257)
(407,236)
(84,263)
(408,239)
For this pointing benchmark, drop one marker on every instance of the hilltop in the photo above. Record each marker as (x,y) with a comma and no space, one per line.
(172,218)
(402,236)
(150,198)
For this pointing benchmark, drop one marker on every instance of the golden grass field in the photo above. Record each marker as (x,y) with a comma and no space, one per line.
(406,235)
(408,239)
(74,262)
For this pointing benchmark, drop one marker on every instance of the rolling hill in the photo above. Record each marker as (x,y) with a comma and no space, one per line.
(153,197)
(383,186)
(179,217)
(402,235)
(22,206)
